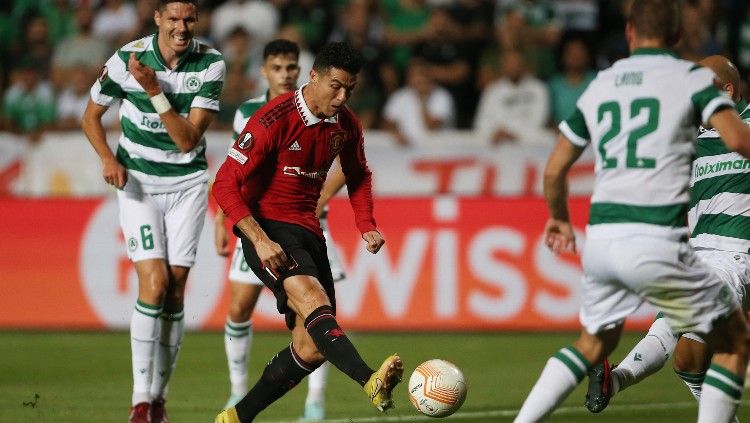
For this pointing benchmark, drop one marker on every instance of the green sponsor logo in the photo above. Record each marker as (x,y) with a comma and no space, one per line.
(727,165)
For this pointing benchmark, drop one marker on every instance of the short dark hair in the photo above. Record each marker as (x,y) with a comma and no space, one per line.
(340,56)
(280,46)
(658,19)
(163,3)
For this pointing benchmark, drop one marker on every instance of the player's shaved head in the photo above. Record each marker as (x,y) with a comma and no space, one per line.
(656,19)
(724,70)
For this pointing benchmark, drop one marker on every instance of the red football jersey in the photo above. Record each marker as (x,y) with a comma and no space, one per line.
(276,167)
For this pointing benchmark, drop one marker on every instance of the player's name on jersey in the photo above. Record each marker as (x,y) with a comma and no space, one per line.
(629,79)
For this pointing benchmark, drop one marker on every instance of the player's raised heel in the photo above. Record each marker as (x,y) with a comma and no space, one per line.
(600,387)
(382,382)
(228,416)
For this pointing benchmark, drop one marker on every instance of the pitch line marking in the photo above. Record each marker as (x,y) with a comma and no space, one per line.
(504,413)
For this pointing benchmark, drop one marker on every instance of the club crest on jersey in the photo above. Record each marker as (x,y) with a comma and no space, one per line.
(336,141)
(193,84)
(245,140)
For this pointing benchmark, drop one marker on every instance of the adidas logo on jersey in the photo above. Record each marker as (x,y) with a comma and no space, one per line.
(295,146)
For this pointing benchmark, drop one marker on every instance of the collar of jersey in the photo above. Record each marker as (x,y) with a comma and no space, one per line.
(160,59)
(307,116)
(652,51)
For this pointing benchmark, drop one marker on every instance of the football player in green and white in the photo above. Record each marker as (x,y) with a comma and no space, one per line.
(169,85)
(640,116)
(719,210)
(281,70)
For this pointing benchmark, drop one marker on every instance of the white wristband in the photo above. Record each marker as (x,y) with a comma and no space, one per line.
(160,102)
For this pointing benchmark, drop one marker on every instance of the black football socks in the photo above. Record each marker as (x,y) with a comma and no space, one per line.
(285,370)
(335,346)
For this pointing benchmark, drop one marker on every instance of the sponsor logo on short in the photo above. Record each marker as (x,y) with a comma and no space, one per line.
(132,244)
(297,171)
(236,155)
(295,146)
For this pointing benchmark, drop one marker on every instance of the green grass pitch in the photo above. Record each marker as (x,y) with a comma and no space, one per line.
(85,377)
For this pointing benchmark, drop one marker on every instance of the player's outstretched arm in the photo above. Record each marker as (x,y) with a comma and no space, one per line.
(559,235)
(734,132)
(186,133)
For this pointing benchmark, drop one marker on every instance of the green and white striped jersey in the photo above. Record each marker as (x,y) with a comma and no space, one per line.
(154,163)
(641,117)
(243,113)
(719,216)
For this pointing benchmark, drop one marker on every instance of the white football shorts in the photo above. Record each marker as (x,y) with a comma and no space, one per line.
(621,273)
(163,226)
(239,270)
(733,268)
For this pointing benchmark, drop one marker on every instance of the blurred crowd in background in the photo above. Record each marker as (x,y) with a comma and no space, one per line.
(504,68)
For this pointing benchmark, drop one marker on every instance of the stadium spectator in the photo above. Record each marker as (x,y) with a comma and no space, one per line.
(281,234)
(566,86)
(449,63)
(259,18)
(35,44)
(611,45)
(515,108)
(81,48)
(405,26)
(362,28)
(72,101)
(145,25)
(636,246)
(161,177)
(413,112)
(696,40)
(116,21)
(313,18)
(29,103)
(532,27)
(239,84)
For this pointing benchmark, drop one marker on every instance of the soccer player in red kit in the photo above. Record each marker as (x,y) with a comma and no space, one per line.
(268,188)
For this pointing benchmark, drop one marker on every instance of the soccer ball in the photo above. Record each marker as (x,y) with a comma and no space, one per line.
(437,388)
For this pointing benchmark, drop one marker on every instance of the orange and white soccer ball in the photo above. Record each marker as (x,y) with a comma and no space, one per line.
(437,388)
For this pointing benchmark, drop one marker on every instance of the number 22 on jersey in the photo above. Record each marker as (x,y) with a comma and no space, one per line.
(614,112)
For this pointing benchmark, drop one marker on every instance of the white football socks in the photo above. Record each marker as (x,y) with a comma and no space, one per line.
(722,391)
(562,373)
(238,338)
(143,334)
(316,385)
(167,350)
(646,358)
